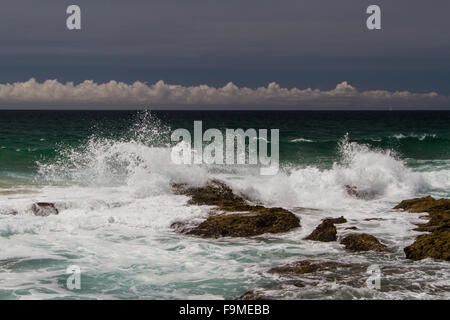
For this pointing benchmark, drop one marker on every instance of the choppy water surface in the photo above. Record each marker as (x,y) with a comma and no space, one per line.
(110,175)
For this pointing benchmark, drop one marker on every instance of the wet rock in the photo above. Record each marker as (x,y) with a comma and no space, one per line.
(267,220)
(435,245)
(374,219)
(325,232)
(312,266)
(362,242)
(252,295)
(339,220)
(354,192)
(44,209)
(417,204)
(237,218)
(351,228)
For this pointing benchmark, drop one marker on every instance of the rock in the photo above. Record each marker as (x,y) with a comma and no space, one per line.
(44,209)
(312,266)
(436,244)
(354,192)
(325,232)
(374,219)
(251,220)
(252,295)
(336,220)
(351,228)
(417,204)
(362,242)
(267,220)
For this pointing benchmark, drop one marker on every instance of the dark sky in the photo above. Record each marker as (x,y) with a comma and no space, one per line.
(314,43)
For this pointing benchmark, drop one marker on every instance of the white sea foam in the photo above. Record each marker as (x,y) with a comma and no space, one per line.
(116,207)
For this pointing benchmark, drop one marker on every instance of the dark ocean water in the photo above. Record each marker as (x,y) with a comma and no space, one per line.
(305,136)
(110,175)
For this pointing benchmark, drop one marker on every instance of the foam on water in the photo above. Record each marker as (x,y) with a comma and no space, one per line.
(116,207)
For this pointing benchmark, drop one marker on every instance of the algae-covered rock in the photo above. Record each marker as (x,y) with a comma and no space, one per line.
(362,242)
(339,220)
(417,204)
(312,266)
(44,209)
(325,232)
(434,245)
(268,220)
(237,217)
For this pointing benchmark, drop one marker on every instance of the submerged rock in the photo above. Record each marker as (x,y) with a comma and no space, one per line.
(44,209)
(325,232)
(354,192)
(436,244)
(363,242)
(311,266)
(237,217)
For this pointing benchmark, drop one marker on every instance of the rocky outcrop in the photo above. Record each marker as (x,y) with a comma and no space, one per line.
(312,266)
(363,242)
(325,232)
(44,209)
(339,220)
(232,215)
(436,244)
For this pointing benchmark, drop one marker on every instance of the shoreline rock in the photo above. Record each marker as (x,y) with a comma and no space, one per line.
(325,232)
(435,244)
(363,242)
(237,218)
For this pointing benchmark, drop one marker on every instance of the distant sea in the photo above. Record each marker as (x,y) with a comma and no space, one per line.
(109,174)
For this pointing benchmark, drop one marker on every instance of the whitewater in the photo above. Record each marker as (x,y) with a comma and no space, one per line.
(116,207)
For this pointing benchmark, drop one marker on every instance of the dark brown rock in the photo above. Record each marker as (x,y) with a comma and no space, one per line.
(362,242)
(436,244)
(44,209)
(336,220)
(433,245)
(251,220)
(312,266)
(325,232)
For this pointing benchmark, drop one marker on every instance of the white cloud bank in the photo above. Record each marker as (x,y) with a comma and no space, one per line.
(52,93)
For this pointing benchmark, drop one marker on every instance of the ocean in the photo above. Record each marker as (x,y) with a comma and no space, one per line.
(110,175)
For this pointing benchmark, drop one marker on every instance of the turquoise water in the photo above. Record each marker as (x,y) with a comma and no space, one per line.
(109,174)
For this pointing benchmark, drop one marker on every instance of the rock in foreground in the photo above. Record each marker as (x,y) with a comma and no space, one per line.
(236,218)
(436,244)
(362,242)
(44,209)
